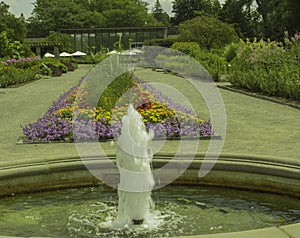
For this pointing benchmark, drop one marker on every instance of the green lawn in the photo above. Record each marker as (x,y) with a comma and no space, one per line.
(255,127)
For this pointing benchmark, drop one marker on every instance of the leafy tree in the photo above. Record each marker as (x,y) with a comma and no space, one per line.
(243,15)
(188,9)
(14,27)
(274,16)
(293,18)
(12,49)
(208,32)
(128,13)
(57,14)
(51,15)
(63,39)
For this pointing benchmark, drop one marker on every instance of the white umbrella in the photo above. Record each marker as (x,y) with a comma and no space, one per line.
(137,51)
(79,53)
(48,55)
(127,52)
(112,52)
(65,54)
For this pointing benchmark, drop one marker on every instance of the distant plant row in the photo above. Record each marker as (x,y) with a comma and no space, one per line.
(23,70)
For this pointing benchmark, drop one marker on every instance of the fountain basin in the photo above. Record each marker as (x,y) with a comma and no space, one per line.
(276,175)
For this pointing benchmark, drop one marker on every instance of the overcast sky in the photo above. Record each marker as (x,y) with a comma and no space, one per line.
(25,6)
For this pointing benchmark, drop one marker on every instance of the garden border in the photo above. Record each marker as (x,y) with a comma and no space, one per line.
(259,96)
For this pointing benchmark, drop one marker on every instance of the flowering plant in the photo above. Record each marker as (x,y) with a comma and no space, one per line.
(159,113)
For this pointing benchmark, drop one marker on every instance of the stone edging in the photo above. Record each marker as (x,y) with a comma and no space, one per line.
(280,175)
(260,96)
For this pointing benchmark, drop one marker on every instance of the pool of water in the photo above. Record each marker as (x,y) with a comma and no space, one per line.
(179,210)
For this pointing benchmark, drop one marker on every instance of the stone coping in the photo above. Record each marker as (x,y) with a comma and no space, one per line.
(271,174)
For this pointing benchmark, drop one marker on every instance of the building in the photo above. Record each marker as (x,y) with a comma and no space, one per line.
(95,39)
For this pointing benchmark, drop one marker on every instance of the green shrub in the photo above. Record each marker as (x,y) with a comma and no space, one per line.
(266,67)
(189,48)
(230,51)
(214,64)
(115,90)
(10,75)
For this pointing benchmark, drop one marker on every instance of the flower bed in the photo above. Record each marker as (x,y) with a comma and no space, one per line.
(163,116)
(18,71)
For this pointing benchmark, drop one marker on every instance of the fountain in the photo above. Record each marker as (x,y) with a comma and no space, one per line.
(134,158)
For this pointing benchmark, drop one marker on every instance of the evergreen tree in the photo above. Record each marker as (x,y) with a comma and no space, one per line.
(160,15)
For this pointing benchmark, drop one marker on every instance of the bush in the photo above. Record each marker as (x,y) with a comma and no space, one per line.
(214,64)
(10,75)
(161,42)
(268,68)
(189,48)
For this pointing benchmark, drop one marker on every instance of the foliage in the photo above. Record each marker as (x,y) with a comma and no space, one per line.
(212,62)
(207,32)
(160,15)
(268,68)
(64,14)
(262,18)
(243,15)
(230,51)
(63,40)
(167,42)
(216,66)
(12,49)
(15,27)
(19,71)
(189,48)
(186,10)
(115,90)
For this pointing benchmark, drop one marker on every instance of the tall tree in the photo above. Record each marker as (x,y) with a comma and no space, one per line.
(275,15)
(243,15)
(188,9)
(160,15)
(51,15)
(15,27)
(128,13)
(293,19)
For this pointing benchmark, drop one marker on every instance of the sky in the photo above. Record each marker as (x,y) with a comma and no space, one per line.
(25,6)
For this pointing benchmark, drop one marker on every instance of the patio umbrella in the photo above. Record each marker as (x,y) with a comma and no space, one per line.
(65,54)
(79,53)
(112,52)
(137,51)
(127,52)
(48,55)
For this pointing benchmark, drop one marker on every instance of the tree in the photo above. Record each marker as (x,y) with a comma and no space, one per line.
(65,14)
(63,39)
(160,15)
(242,15)
(128,13)
(275,15)
(188,9)
(208,32)
(58,14)
(293,19)
(14,27)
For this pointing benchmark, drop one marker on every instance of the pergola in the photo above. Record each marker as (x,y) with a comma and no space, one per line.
(41,48)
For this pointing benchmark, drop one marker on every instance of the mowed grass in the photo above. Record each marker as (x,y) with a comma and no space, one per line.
(254,126)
